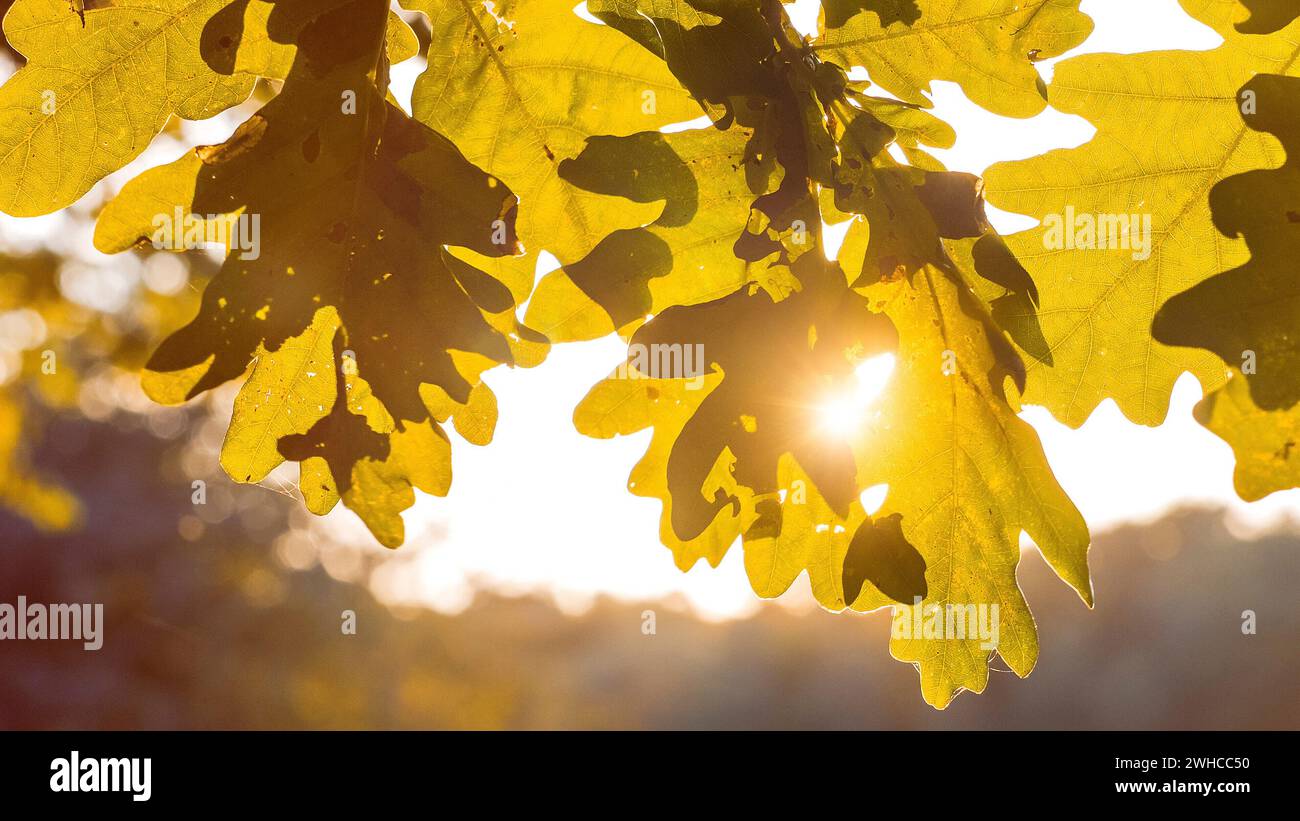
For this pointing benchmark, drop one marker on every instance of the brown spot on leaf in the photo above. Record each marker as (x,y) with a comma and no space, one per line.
(311,147)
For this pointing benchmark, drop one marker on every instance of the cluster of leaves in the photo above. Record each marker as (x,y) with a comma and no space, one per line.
(397,249)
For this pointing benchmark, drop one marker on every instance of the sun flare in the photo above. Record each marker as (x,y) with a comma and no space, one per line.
(843,415)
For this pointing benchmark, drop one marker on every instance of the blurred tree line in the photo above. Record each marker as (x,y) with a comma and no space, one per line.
(213,629)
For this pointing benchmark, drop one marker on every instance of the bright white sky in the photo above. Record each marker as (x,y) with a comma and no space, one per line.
(545,509)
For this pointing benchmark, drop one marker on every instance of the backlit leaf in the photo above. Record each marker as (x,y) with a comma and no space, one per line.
(989,47)
(1266,443)
(1168,129)
(518,88)
(95,93)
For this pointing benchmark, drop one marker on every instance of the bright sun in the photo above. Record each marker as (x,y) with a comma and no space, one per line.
(843,415)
